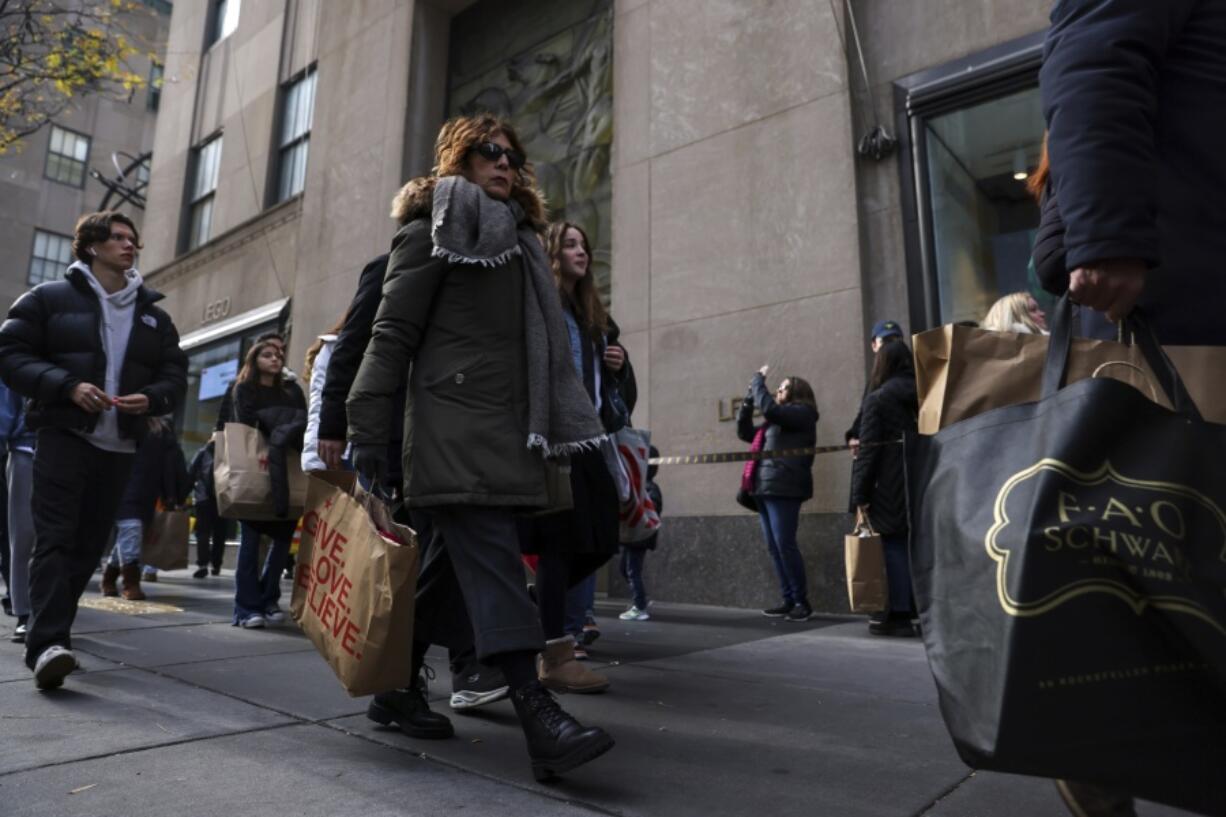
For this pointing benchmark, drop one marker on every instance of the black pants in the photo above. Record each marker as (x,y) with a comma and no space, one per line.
(77,489)
(212,531)
(471,588)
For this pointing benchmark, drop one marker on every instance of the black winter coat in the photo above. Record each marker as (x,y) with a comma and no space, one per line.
(200,473)
(1134,94)
(351,344)
(878,478)
(790,425)
(51,341)
(158,472)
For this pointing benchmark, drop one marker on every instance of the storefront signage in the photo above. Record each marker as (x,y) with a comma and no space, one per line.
(216,310)
(728,409)
(214,380)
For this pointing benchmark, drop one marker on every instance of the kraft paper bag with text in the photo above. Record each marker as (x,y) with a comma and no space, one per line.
(961,372)
(166,542)
(865,557)
(240,472)
(355,586)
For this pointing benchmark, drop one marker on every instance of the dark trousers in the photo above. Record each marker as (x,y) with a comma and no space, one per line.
(77,489)
(780,517)
(475,551)
(898,571)
(212,531)
(257,592)
(632,572)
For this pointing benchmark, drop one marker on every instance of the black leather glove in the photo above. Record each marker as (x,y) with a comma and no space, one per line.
(370,461)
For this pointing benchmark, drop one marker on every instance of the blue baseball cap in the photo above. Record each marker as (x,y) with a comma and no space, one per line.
(886,329)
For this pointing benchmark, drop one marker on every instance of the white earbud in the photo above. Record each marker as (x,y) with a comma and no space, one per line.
(93,252)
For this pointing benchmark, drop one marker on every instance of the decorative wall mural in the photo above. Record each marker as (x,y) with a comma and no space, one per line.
(547,66)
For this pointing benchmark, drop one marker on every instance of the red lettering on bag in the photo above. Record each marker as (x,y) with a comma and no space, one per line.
(343,593)
(310,522)
(350,639)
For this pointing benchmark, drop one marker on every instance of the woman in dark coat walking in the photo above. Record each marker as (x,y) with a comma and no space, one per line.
(470,315)
(878,481)
(261,389)
(780,486)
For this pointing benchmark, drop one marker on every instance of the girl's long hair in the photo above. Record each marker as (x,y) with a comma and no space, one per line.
(251,370)
(799,391)
(1037,183)
(891,359)
(585,300)
(1010,311)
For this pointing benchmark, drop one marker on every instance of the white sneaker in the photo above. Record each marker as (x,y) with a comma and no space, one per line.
(52,666)
(252,622)
(635,614)
(275,616)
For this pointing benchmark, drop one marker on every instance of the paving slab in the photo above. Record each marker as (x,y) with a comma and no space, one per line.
(306,771)
(301,683)
(13,666)
(168,645)
(100,713)
(986,794)
(704,745)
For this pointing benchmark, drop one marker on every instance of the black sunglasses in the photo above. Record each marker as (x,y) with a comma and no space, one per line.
(493,150)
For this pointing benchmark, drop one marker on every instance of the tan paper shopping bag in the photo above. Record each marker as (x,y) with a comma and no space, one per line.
(961,372)
(355,586)
(865,557)
(240,473)
(166,542)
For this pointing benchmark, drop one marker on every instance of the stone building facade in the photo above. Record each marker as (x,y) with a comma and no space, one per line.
(709,146)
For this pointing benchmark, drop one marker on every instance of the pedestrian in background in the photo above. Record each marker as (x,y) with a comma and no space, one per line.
(158,472)
(259,390)
(100,323)
(212,530)
(878,479)
(20,472)
(780,485)
(573,544)
(1016,312)
(883,332)
(635,554)
(470,315)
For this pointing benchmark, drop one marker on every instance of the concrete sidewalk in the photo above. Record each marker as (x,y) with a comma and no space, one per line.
(715,712)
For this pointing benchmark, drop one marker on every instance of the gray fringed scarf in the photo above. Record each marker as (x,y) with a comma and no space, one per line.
(469,227)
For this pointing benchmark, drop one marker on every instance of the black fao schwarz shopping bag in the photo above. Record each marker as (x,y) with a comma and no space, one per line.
(1069,560)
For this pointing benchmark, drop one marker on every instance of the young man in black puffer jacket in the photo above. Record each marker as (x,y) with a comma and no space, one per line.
(94,356)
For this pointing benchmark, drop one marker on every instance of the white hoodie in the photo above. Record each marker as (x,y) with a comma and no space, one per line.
(118,310)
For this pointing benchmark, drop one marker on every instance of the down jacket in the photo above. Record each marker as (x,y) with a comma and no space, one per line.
(457,331)
(51,341)
(788,425)
(878,478)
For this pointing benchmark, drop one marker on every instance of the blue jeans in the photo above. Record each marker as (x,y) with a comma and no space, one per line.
(632,572)
(898,571)
(128,535)
(780,517)
(256,592)
(580,600)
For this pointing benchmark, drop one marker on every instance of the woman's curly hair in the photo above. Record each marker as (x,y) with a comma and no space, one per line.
(461,134)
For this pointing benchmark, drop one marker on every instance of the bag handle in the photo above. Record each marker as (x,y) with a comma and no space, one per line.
(863,523)
(1060,344)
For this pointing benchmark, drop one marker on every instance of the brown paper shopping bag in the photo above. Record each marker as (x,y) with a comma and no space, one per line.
(961,372)
(355,586)
(166,542)
(240,473)
(865,558)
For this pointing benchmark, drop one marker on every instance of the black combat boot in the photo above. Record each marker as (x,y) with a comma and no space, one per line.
(409,709)
(557,742)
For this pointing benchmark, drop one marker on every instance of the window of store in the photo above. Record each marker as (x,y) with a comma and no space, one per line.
(67,154)
(973,134)
(51,257)
(298,108)
(203,190)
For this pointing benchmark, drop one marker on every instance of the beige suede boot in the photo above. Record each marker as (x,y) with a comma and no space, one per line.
(560,672)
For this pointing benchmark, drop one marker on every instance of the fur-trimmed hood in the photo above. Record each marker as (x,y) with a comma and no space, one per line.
(416,200)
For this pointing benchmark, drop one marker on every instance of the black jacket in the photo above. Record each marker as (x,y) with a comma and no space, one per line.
(878,478)
(1134,94)
(51,341)
(619,391)
(346,358)
(158,472)
(200,473)
(790,425)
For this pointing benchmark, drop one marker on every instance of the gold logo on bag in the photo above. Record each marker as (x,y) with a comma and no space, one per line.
(1104,528)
